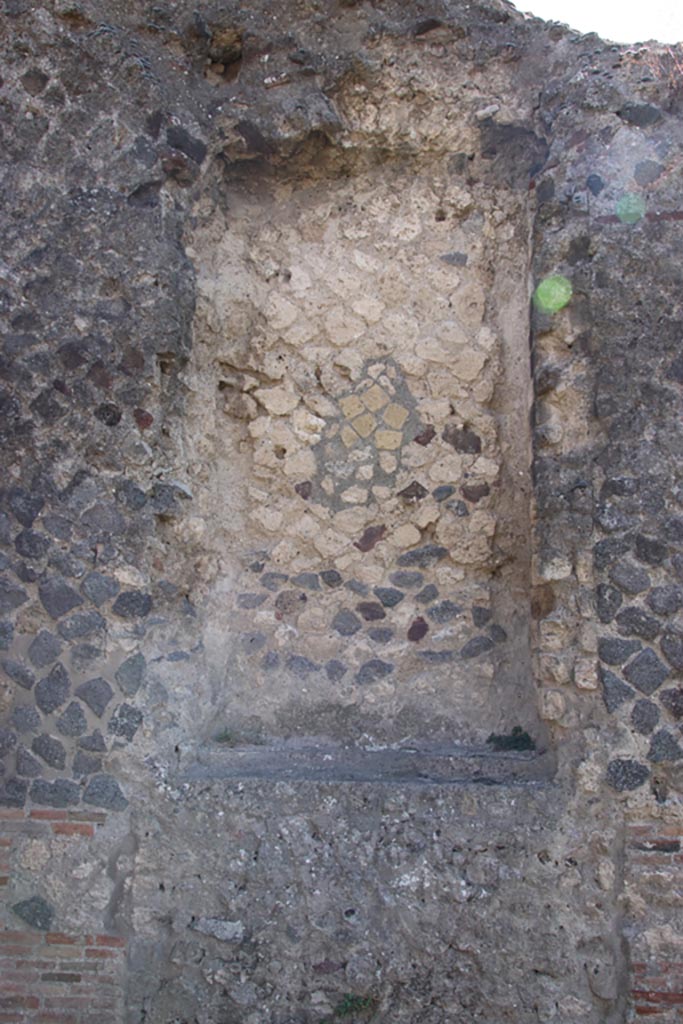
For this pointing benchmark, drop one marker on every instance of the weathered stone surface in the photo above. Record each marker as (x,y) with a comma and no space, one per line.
(81,624)
(476,646)
(614,690)
(373,670)
(96,693)
(50,749)
(27,765)
(646,672)
(664,747)
(125,721)
(25,718)
(389,596)
(672,700)
(630,578)
(86,764)
(131,673)
(427,594)
(665,600)
(44,649)
(423,557)
(58,597)
(636,622)
(335,670)
(72,721)
(132,604)
(444,611)
(407,580)
(99,588)
(36,912)
(11,596)
(346,623)
(672,648)
(60,793)
(624,774)
(614,651)
(104,791)
(53,691)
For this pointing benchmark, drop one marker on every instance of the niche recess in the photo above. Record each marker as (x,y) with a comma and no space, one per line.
(358,432)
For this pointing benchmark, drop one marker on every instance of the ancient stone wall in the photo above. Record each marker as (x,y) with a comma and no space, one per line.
(340,588)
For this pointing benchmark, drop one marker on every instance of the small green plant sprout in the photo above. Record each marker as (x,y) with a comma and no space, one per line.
(518,739)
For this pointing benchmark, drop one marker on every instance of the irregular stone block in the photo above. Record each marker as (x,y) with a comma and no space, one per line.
(104,791)
(57,597)
(96,693)
(35,911)
(52,691)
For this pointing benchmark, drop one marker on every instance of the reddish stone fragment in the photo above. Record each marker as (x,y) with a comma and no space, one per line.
(143,418)
(426,436)
(475,492)
(371,536)
(304,489)
(418,629)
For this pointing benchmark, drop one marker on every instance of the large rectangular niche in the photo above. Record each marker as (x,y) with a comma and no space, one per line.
(358,426)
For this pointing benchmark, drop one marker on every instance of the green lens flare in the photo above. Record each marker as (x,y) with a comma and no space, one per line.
(631,208)
(553,294)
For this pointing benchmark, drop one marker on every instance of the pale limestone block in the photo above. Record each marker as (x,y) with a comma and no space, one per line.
(388,440)
(588,638)
(433,350)
(553,705)
(279,312)
(278,401)
(327,484)
(411,364)
(259,427)
(487,340)
(364,425)
(406,228)
(554,634)
(285,553)
(447,469)
(343,327)
(299,281)
(469,304)
(556,567)
(301,332)
(352,521)
(302,525)
(349,359)
(416,456)
(269,518)
(349,437)
(351,406)
(448,575)
(554,669)
(321,406)
(368,309)
(388,462)
(405,536)
(365,473)
(585,674)
(395,416)
(468,363)
(605,874)
(306,425)
(451,335)
(329,543)
(381,493)
(434,410)
(426,513)
(354,495)
(486,468)
(374,398)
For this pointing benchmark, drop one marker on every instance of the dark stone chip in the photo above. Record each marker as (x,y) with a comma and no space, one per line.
(413,492)
(304,489)
(389,596)
(381,635)
(646,672)
(665,600)
(300,665)
(8,741)
(614,651)
(356,587)
(426,436)
(96,693)
(427,594)
(132,604)
(24,506)
(417,630)
(331,578)
(104,791)
(608,602)
(650,550)
(595,184)
(60,793)
(35,911)
(346,623)
(497,634)
(125,721)
(251,600)
(371,611)
(437,657)
(335,670)
(672,648)
(86,764)
(99,588)
(108,414)
(270,661)
(53,691)
(28,766)
(636,622)
(72,721)
(44,649)
(58,597)
(273,580)
(84,654)
(462,439)
(179,138)
(94,742)
(407,579)
(81,624)
(642,115)
(475,492)
(644,716)
(629,577)
(664,747)
(30,544)
(647,172)
(131,674)
(424,557)
(25,718)
(13,792)
(19,673)
(442,492)
(129,494)
(11,596)
(372,535)
(476,646)
(480,615)
(50,750)
(252,642)
(307,580)
(606,551)
(672,700)
(615,692)
(371,671)
(6,635)
(624,775)
(444,611)
(289,601)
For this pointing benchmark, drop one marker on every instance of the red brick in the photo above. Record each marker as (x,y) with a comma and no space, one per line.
(4,879)
(110,940)
(11,814)
(101,954)
(93,816)
(14,937)
(5,843)
(19,1002)
(665,998)
(45,815)
(73,828)
(61,939)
